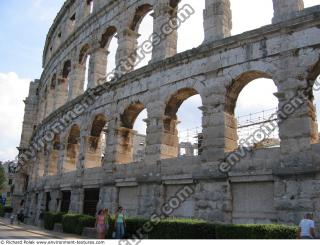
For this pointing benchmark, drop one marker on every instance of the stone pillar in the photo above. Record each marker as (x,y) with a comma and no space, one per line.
(111,143)
(163,12)
(124,145)
(97,67)
(76,202)
(83,12)
(61,156)
(77,78)
(219,129)
(93,152)
(284,10)
(51,101)
(62,92)
(162,136)
(296,128)
(126,52)
(80,164)
(217,20)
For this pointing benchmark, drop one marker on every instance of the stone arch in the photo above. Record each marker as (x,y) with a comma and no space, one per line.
(66,69)
(84,52)
(236,86)
(126,134)
(130,114)
(231,123)
(72,149)
(106,37)
(313,80)
(140,13)
(170,121)
(96,142)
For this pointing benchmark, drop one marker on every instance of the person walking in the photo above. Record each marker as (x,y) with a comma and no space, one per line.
(120,223)
(307,228)
(107,220)
(100,225)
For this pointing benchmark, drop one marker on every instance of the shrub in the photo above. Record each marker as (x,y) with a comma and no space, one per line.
(70,222)
(5,209)
(255,232)
(8,209)
(178,228)
(85,221)
(51,218)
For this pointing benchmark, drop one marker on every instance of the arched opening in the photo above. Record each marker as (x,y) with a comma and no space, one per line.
(314,81)
(109,42)
(84,59)
(183,124)
(96,142)
(262,14)
(143,24)
(140,134)
(190,39)
(63,85)
(54,156)
(90,5)
(72,151)
(128,137)
(251,112)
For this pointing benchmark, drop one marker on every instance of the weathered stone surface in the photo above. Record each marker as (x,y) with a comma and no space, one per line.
(93,145)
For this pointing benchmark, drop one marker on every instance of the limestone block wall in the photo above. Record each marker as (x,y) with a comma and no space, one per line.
(69,121)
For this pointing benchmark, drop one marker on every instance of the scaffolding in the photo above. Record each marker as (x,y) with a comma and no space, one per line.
(247,125)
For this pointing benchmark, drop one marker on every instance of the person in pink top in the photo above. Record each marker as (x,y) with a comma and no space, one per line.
(100,225)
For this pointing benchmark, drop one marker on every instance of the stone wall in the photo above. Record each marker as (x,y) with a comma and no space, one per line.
(265,186)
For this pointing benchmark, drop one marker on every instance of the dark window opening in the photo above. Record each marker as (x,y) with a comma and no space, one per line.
(48,199)
(91,199)
(66,196)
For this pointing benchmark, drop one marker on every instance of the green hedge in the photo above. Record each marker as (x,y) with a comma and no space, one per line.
(51,218)
(175,228)
(75,223)
(85,221)
(5,209)
(256,232)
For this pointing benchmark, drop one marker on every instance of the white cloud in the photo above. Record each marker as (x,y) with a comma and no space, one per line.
(12,92)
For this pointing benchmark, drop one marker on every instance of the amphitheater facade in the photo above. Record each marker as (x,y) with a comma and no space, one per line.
(66,129)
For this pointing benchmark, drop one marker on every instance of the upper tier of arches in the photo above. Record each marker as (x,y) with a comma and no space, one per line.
(84,29)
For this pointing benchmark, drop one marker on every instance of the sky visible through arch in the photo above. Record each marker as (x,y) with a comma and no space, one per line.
(23,29)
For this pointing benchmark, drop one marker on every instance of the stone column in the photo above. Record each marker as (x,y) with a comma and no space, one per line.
(76,202)
(286,9)
(126,53)
(162,136)
(83,12)
(51,101)
(124,145)
(163,12)
(97,67)
(62,92)
(77,78)
(217,20)
(297,125)
(219,127)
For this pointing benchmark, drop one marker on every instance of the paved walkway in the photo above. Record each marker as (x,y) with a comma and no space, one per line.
(22,231)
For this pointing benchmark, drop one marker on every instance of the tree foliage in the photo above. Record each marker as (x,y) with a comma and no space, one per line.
(3,178)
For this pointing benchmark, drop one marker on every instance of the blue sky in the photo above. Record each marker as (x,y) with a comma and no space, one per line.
(23,28)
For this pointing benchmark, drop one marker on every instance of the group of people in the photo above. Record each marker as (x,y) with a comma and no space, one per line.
(103,221)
